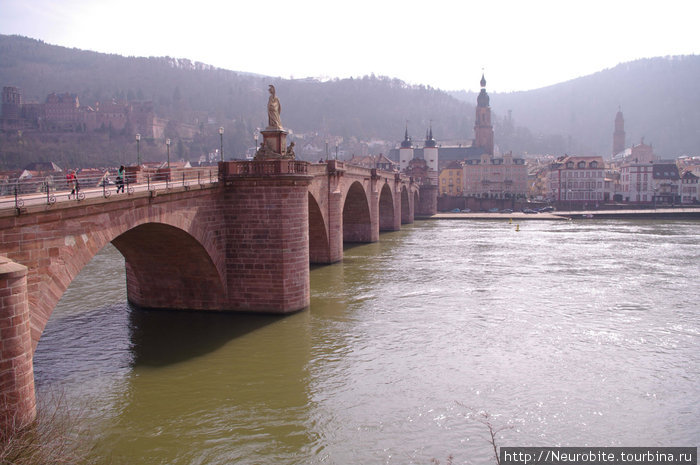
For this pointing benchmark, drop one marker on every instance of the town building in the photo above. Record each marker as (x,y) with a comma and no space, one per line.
(578,180)
(689,188)
(379,162)
(450,179)
(666,183)
(495,177)
(636,175)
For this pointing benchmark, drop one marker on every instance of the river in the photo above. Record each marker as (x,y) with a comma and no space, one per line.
(579,333)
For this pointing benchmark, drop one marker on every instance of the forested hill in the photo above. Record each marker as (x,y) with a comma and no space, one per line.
(659,98)
(366,108)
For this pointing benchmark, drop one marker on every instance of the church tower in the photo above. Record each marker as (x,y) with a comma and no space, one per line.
(483,130)
(405,152)
(430,155)
(619,134)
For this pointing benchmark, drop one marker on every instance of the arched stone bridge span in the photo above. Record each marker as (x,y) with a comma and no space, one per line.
(242,244)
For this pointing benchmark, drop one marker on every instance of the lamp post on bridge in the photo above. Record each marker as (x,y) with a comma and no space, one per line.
(336,150)
(221,134)
(167,144)
(138,149)
(255,149)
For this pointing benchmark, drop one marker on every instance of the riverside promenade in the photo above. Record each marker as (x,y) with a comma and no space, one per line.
(658,213)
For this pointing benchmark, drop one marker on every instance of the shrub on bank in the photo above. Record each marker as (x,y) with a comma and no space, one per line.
(57,436)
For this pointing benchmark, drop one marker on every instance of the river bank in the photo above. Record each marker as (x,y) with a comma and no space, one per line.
(660,213)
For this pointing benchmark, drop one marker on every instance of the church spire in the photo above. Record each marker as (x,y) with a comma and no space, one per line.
(406,144)
(483,130)
(483,99)
(429,141)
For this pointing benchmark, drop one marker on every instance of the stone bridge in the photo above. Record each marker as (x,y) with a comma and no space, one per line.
(243,243)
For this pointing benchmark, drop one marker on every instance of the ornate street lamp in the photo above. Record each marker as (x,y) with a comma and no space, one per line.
(221,134)
(138,150)
(336,150)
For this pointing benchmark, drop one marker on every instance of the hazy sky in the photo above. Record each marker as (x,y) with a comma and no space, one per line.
(521,44)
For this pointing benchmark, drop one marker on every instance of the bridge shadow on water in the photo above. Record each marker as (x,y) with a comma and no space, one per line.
(162,337)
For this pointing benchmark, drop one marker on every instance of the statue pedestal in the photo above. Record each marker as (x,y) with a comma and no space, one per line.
(274,144)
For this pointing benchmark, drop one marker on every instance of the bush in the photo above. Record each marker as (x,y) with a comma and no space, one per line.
(57,436)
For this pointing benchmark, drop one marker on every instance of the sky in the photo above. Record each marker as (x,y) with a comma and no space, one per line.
(519,44)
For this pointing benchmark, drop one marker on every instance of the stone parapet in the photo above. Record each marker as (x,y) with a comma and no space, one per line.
(261,168)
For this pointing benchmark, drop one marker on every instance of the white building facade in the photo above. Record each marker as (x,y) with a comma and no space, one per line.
(495,178)
(578,180)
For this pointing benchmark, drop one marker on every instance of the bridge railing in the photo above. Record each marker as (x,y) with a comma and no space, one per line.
(264,167)
(51,188)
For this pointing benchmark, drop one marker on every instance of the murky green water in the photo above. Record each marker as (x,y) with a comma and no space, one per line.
(565,333)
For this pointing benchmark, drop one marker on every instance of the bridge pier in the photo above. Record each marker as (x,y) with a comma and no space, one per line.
(17,400)
(427,204)
(335,226)
(267,251)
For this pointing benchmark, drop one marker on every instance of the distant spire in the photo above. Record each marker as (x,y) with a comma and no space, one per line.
(482,99)
(429,141)
(406,144)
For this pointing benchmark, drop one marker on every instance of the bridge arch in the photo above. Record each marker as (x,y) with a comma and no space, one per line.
(165,245)
(166,267)
(357,220)
(386,209)
(319,244)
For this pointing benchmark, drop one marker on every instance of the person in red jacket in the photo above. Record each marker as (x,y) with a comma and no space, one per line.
(72,182)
